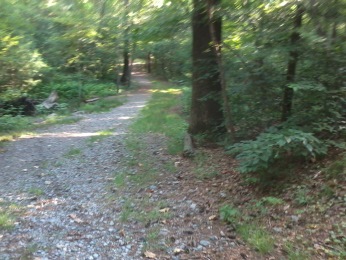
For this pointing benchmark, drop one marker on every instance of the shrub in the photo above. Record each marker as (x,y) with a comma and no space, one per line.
(276,146)
(13,123)
(229,214)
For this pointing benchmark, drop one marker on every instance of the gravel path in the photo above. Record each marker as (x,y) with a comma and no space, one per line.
(61,179)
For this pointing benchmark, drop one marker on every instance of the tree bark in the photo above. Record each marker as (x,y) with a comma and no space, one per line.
(206,116)
(125,78)
(292,64)
(149,63)
(217,47)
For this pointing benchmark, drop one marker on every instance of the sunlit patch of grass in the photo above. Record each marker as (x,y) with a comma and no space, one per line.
(12,127)
(6,220)
(8,214)
(59,120)
(100,135)
(158,117)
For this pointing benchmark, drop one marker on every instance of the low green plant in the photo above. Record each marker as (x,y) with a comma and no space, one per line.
(337,169)
(301,196)
(13,123)
(36,191)
(257,237)
(73,152)
(229,214)
(276,146)
(120,179)
(160,116)
(294,253)
(127,210)
(6,220)
(8,213)
(327,191)
(337,237)
(262,206)
(271,201)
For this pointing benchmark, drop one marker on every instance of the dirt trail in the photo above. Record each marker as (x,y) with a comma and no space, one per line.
(60,178)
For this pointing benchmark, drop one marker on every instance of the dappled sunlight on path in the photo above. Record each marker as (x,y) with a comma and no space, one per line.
(59,177)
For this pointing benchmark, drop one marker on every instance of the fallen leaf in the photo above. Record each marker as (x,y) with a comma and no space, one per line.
(164,210)
(212,217)
(149,254)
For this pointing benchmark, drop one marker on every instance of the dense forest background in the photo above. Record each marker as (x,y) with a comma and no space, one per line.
(281,64)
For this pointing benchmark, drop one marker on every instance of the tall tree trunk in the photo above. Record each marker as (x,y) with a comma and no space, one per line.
(206,114)
(292,64)
(149,62)
(125,78)
(214,20)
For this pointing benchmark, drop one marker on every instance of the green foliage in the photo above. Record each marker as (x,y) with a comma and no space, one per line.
(275,146)
(301,196)
(72,153)
(6,221)
(257,237)
(337,169)
(8,213)
(270,201)
(36,191)
(229,214)
(13,124)
(160,116)
(294,253)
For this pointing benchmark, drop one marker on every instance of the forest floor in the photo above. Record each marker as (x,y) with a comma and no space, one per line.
(78,191)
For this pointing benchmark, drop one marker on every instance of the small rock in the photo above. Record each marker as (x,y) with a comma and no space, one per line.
(199,248)
(214,238)
(204,243)
(295,218)
(193,206)
(223,194)
(277,229)
(153,187)
(164,232)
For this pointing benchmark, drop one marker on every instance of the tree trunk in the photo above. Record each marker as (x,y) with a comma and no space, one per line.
(292,64)
(206,116)
(149,63)
(125,78)
(126,67)
(217,47)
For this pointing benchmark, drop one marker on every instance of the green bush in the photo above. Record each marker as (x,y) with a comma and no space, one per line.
(276,146)
(229,214)
(13,123)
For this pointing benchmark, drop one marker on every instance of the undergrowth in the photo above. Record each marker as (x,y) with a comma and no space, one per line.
(160,116)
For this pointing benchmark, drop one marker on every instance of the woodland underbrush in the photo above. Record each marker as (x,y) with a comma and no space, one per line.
(74,93)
